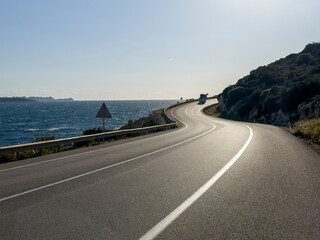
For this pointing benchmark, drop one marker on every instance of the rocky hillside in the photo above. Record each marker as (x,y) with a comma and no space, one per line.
(285,90)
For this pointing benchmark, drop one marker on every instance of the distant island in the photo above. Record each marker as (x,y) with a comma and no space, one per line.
(15,99)
(48,99)
(34,99)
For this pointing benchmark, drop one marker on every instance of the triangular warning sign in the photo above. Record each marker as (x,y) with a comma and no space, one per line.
(103,112)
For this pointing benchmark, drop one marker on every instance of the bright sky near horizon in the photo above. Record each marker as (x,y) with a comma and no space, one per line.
(145,49)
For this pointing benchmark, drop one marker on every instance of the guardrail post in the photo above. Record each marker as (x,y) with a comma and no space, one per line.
(59,148)
(18,156)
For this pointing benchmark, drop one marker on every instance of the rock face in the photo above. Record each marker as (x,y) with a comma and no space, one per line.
(154,118)
(310,108)
(279,118)
(285,90)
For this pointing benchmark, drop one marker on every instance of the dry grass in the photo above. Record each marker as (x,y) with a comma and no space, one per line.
(308,129)
(212,110)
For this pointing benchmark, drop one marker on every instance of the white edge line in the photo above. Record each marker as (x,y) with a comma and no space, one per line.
(104,168)
(87,152)
(186,111)
(163,224)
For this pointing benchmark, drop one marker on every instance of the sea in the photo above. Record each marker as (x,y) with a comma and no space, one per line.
(23,122)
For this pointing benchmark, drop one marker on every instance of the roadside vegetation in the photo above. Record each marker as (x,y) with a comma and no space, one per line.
(10,157)
(212,110)
(308,129)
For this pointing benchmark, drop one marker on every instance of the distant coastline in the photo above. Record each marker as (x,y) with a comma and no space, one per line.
(34,99)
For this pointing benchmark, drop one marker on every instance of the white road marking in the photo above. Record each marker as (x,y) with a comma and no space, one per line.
(163,224)
(104,168)
(88,152)
(186,111)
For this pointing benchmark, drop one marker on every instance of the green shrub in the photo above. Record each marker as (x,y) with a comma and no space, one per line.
(8,157)
(148,123)
(92,131)
(235,95)
(304,58)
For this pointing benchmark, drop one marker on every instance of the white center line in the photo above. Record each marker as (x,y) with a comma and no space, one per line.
(163,224)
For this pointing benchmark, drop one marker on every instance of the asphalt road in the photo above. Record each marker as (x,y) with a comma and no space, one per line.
(209,179)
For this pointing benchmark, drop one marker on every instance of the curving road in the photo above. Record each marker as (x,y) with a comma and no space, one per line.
(209,179)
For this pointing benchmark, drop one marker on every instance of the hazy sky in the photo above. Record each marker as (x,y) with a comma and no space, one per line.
(145,49)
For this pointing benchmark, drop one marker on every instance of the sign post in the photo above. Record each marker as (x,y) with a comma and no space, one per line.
(103,113)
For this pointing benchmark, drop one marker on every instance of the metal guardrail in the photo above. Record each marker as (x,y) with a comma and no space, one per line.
(99,136)
(165,116)
(74,140)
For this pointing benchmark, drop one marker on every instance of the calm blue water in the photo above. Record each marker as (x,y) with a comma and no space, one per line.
(23,122)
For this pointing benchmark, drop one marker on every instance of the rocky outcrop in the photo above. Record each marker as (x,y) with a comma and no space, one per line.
(280,118)
(154,118)
(310,108)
